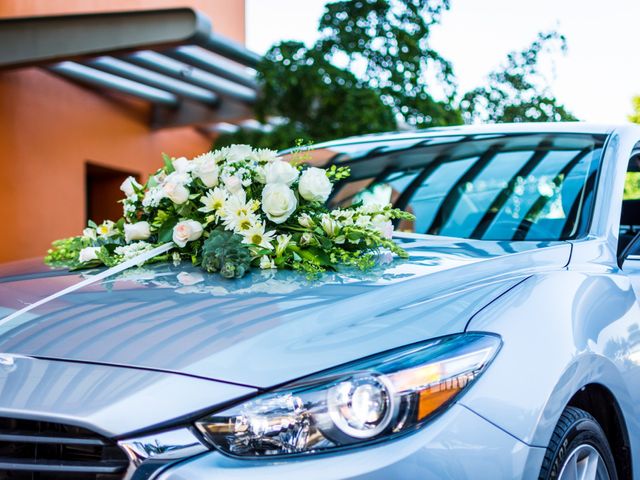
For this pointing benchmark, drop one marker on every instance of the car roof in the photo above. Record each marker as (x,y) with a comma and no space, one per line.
(480,129)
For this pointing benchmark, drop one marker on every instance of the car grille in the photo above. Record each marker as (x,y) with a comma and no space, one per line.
(34,450)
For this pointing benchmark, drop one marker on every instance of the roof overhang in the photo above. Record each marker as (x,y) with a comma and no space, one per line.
(171,58)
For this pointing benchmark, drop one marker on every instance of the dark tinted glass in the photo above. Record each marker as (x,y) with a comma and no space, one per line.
(498,187)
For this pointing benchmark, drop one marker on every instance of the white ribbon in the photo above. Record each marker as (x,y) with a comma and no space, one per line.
(138,260)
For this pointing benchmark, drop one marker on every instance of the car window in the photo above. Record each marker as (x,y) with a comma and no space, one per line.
(509,187)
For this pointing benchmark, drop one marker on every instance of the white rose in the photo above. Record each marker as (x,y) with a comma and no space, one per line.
(278,202)
(175,191)
(314,185)
(137,231)
(127,186)
(233,184)
(89,253)
(182,165)
(280,172)
(186,231)
(207,170)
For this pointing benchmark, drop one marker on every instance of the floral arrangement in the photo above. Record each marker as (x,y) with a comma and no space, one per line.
(233,208)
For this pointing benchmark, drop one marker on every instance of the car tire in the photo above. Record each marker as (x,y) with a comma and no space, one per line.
(577,436)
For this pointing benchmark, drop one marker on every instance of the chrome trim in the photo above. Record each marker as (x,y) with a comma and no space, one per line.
(150,454)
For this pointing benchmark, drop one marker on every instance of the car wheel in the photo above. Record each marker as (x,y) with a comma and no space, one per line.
(578,450)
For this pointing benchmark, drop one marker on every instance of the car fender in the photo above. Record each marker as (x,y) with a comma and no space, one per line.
(561,331)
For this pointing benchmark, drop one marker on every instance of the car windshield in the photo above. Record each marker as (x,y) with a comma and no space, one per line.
(491,187)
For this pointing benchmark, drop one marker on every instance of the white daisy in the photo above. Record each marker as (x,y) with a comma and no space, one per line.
(213,201)
(107,229)
(236,153)
(238,215)
(265,155)
(256,235)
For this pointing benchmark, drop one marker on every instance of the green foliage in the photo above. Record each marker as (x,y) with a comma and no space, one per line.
(635,116)
(518,91)
(390,38)
(632,186)
(224,252)
(335,173)
(320,100)
(64,252)
(391,76)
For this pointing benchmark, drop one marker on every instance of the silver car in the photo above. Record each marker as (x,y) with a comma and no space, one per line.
(507,346)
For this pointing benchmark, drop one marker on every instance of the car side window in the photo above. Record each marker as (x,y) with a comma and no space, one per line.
(628,244)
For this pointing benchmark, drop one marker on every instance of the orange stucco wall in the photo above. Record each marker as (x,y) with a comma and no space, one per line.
(50,128)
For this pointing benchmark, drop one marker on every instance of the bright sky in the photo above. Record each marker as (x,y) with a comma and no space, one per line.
(595,80)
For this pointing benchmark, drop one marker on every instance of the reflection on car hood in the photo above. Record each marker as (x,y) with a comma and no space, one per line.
(102,398)
(271,326)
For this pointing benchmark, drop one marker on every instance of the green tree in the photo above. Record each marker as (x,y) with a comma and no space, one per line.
(388,41)
(373,69)
(387,59)
(635,116)
(519,91)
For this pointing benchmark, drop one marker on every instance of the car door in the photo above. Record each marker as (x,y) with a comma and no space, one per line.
(627,351)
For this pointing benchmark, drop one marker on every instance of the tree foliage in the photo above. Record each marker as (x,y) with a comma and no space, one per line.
(388,75)
(389,41)
(320,100)
(635,116)
(518,91)
(373,69)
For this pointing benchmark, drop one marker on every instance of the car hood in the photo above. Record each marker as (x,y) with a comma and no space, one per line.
(111,401)
(271,326)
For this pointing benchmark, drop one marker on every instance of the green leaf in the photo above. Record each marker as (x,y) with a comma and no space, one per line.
(325,243)
(184,210)
(165,232)
(168,163)
(92,224)
(354,236)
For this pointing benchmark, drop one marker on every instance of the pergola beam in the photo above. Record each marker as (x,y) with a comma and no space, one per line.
(154,79)
(31,41)
(98,78)
(174,68)
(231,49)
(218,65)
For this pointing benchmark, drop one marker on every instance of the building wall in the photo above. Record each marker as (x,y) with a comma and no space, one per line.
(50,128)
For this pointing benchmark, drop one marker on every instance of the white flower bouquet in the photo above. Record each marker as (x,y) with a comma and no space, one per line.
(233,208)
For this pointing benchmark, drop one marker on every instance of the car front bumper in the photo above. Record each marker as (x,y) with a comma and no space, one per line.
(457,445)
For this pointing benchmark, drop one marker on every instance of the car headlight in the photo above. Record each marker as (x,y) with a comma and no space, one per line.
(364,401)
